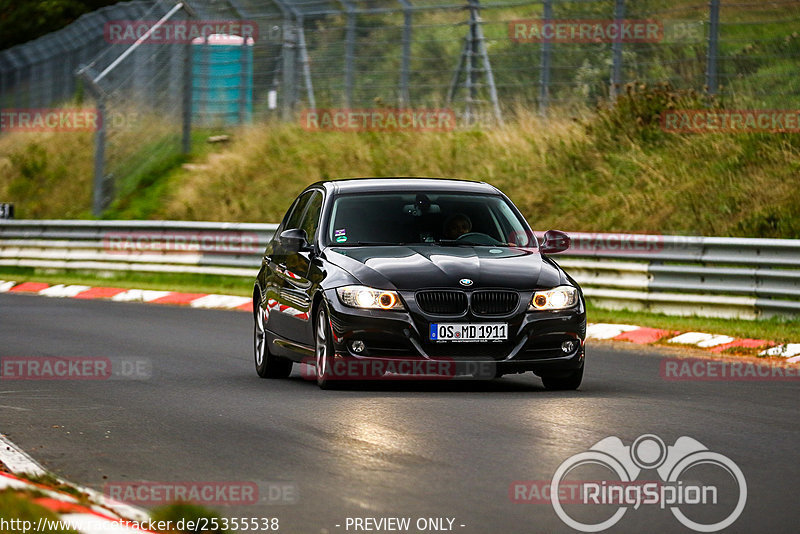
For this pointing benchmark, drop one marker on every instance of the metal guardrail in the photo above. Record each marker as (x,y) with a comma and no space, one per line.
(678,275)
(688,275)
(228,249)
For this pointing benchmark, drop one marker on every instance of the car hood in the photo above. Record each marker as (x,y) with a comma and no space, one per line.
(414,267)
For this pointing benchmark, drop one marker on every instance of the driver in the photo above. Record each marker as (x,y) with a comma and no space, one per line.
(457,225)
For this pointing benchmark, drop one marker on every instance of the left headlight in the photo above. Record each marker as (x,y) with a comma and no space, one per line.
(369,298)
(558,298)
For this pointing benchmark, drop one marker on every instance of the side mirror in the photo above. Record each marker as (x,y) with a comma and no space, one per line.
(554,242)
(294,240)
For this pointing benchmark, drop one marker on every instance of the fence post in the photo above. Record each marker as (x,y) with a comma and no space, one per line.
(99,193)
(186,140)
(404,96)
(544,67)
(2,93)
(243,79)
(288,64)
(616,50)
(349,54)
(304,61)
(713,44)
(472,51)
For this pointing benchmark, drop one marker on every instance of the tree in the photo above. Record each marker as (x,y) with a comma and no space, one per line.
(24,20)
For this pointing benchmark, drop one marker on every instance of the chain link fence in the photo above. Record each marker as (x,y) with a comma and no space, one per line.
(485,60)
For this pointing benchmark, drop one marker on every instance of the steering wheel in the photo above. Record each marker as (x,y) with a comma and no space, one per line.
(478,238)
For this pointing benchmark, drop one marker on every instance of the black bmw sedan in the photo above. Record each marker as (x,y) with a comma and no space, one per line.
(415,278)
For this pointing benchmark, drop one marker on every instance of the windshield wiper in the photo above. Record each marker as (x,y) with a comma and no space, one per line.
(461,242)
(367,244)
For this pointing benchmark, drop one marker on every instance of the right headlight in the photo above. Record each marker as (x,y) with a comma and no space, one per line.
(369,298)
(558,298)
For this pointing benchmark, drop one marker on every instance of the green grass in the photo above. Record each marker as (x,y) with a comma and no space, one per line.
(19,506)
(782,331)
(186,283)
(151,174)
(612,171)
(51,481)
(768,329)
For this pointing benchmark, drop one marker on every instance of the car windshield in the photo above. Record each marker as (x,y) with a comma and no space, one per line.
(445,219)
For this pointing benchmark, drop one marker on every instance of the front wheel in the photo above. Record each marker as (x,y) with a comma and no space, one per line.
(267,365)
(565,381)
(323,350)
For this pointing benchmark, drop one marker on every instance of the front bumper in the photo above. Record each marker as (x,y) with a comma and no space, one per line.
(534,343)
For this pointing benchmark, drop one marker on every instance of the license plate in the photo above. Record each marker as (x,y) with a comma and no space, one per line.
(469,332)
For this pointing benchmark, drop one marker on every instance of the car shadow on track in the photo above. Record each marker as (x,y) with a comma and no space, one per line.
(508,384)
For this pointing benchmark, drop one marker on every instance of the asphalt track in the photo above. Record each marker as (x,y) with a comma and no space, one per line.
(401,449)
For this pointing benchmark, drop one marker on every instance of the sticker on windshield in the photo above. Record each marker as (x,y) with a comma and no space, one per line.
(341,239)
(340,235)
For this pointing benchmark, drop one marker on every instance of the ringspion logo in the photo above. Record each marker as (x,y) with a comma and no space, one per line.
(693,479)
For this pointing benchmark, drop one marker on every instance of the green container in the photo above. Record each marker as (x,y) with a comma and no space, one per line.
(222,80)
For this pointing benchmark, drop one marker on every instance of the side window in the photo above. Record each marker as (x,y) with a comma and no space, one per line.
(310,220)
(295,216)
(290,220)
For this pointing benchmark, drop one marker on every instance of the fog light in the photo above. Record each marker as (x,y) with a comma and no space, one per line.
(357,346)
(567,347)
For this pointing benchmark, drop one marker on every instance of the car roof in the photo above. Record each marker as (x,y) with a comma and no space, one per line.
(401,183)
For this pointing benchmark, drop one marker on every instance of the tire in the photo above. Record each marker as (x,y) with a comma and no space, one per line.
(267,365)
(323,349)
(564,382)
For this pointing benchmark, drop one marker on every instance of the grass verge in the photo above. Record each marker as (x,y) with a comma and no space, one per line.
(187,283)
(610,170)
(782,331)
(20,507)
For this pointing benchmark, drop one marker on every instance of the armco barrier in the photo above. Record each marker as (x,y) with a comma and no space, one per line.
(679,275)
(230,249)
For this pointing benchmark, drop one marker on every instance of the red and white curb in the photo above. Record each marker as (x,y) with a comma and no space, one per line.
(618,332)
(195,300)
(713,342)
(100,516)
